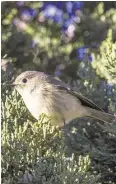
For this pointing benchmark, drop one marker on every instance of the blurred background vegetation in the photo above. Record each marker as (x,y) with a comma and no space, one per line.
(74,41)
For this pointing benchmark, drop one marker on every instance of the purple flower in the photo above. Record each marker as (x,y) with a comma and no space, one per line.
(57,4)
(77,5)
(66,24)
(83,52)
(72,6)
(60,4)
(70,21)
(69,7)
(55,11)
(52,12)
(28,13)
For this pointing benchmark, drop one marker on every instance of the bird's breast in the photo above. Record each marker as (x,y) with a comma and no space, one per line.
(61,107)
(34,104)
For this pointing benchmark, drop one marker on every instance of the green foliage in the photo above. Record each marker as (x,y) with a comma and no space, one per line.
(105,62)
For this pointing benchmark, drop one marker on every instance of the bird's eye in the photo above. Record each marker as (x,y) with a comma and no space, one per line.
(24,80)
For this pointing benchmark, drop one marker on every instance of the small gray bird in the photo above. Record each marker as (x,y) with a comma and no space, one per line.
(44,94)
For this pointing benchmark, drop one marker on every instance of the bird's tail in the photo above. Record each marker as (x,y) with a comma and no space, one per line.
(103,116)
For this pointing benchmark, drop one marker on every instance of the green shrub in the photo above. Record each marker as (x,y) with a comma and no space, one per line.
(105,62)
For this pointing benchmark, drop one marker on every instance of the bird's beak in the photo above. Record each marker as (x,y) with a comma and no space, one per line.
(12,84)
(9,84)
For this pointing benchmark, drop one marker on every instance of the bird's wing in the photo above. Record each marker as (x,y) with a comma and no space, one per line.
(85,101)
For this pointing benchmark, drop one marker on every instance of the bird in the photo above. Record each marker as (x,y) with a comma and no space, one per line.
(44,94)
